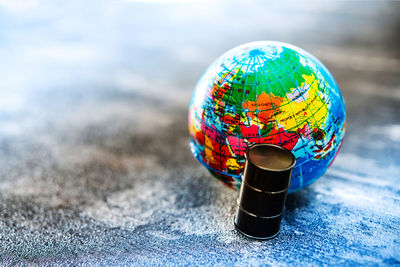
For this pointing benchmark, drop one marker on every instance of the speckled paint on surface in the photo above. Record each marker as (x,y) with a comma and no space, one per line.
(95,166)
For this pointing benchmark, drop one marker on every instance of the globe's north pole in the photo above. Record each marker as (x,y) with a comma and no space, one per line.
(266,92)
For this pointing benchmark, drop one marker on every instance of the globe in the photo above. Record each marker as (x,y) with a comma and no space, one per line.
(266,92)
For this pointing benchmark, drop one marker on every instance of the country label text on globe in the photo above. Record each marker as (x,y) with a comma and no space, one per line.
(266,92)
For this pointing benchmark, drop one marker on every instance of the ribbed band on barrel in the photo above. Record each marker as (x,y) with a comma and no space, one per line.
(259,211)
(254,177)
(251,225)
(261,203)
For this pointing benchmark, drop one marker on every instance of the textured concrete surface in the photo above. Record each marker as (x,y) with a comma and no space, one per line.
(95,167)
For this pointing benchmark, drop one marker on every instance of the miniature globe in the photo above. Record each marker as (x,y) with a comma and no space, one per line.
(266,92)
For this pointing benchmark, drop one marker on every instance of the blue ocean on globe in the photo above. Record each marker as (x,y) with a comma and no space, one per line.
(266,92)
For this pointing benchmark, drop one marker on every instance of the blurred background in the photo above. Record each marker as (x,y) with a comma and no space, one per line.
(95,166)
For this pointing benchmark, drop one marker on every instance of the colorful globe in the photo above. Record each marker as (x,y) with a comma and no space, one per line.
(266,92)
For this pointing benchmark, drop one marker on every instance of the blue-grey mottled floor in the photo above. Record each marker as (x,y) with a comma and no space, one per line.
(95,167)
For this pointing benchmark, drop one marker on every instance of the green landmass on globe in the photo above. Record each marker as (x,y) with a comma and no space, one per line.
(266,92)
